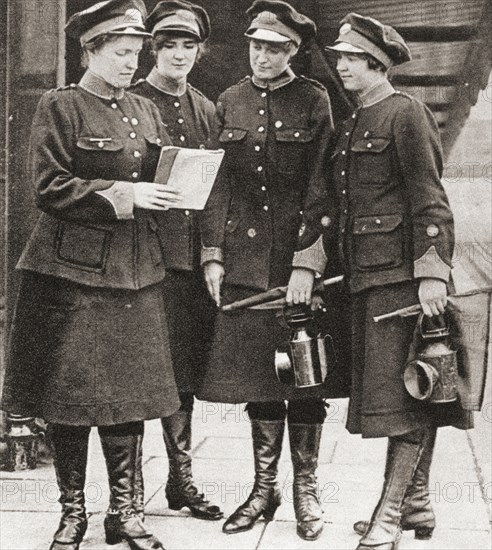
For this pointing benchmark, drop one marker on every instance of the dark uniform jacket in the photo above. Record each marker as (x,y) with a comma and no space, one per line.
(395,222)
(87,149)
(268,207)
(189,120)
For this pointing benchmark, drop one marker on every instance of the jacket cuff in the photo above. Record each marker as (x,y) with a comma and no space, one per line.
(120,195)
(431,266)
(212,254)
(313,257)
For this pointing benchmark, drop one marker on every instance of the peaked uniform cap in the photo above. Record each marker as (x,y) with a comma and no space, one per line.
(359,34)
(179,16)
(277,21)
(125,17)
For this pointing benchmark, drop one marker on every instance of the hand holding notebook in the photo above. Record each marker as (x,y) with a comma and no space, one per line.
(190,171)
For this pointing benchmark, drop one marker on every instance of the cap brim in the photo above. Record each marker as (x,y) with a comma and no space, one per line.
(130,31)
(345,47)
(267,35)
(178,29)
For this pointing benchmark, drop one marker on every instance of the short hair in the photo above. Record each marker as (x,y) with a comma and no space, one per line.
(95,45)
(373,63)
(285,46)
(161,37)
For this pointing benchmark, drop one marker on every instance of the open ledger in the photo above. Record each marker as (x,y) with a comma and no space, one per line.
(191,171)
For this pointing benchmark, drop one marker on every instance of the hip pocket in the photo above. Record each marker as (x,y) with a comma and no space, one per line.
(82,246)
(378,241)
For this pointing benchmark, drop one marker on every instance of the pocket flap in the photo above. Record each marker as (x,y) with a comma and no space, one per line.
(154,140)
(232,134)
(100,144)
(370,145)
(376,224)
(301,135)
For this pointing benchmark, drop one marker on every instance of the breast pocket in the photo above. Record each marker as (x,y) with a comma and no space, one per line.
(292,149)
(373,160)
(378,241)
(83,246)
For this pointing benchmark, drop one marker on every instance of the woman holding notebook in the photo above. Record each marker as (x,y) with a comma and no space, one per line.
(178,30)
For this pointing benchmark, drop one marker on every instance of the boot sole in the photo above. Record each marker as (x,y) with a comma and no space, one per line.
(421,533)
(179,506)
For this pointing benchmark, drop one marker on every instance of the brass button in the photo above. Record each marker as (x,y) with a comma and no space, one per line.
(279,124)
(354,115)
(344,192)
(263,188)
(187,212)
(263,94)
(344,152)
(260,168)
(262,111)
(378,221)
(180,121)
(297,134)
(176,103)
(325,221)
(261,129)
(230,134)
(114,106)
(432,230)
(252,233)
(257,148)
(369,145)
(181,138)
(158,141)
(135,175)
(133,135)
(137,154)
(343,172)
(125,119)
(134,121)
(347,133)
(100,145)
(265,208)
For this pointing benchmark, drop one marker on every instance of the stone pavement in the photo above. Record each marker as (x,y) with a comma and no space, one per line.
(350,478)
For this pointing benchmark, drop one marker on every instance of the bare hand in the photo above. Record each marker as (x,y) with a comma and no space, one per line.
(432,296)
(300,286)
(214,275)
(155,196)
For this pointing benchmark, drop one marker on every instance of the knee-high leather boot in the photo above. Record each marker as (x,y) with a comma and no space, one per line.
(120,452)
(112,519)
(304,448)
(181,491)
(416,512)
(70,445)
(384,529)
(265,496)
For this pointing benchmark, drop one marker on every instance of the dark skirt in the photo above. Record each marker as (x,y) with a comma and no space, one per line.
(241,367)
(88,356)
(190,315)
(379,403)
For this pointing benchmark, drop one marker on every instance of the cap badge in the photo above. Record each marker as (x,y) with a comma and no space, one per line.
(186,15)
(302,229)
(345,28)
(266,18)
(133,17)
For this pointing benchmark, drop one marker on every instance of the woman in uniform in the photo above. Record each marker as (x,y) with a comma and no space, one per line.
(89,345)
(178,30)
(396,244)
(262,228)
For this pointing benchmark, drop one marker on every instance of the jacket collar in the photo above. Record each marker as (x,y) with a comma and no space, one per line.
(377,93)
(97,86)
(155,79)
(282,80)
